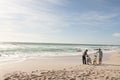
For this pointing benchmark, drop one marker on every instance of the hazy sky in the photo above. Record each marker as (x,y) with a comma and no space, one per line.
(61,21)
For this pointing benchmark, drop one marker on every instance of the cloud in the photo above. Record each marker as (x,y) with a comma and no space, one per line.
(19,37)
(40,16)
(94,19)
(116,34)
(34,15)
(38,20)
(28,20)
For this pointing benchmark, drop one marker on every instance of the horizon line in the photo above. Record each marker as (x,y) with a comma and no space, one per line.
(55,43)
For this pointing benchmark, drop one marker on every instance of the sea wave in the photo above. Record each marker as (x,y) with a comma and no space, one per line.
(22,51)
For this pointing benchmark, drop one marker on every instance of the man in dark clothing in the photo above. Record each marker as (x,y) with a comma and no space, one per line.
(84,56)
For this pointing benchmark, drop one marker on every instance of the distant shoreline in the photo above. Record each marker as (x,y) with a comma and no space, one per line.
(59,43)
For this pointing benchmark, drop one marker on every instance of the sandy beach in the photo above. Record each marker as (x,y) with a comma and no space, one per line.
(62,68)
(59,39)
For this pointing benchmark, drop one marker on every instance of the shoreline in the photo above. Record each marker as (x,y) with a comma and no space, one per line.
(56,64)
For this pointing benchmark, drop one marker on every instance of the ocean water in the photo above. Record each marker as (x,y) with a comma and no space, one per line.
(16,51)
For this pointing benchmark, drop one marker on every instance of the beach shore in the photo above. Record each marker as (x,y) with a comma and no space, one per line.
(62,68)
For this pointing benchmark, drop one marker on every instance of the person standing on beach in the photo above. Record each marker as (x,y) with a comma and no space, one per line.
(84,56)
(100,55)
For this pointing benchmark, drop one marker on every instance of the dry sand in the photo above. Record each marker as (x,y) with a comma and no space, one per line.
(64,68)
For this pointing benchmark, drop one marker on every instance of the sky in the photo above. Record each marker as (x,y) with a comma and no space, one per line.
(60,21)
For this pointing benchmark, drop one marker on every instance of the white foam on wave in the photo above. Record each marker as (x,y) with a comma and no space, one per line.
(16,52)
(5,59)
